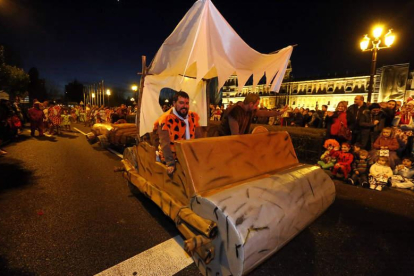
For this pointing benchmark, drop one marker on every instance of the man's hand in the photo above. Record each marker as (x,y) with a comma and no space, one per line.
(170,169)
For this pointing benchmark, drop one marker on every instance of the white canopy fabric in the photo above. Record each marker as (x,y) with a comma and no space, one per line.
(203,46)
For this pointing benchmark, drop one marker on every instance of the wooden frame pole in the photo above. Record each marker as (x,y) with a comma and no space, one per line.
(141,91)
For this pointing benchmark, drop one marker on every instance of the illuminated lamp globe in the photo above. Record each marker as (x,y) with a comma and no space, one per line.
(389,39)
(377,31)
(364,43)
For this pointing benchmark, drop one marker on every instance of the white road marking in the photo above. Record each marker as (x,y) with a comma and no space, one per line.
(167,258)
(79,131)
(115,152)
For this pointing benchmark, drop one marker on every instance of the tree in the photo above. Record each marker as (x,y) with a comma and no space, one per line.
(74,92)
(37,88)
(13,80)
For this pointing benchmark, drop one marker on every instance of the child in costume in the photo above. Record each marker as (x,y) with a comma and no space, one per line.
(403,175)
(343,161)
(360,169)
(327,160)
(379,173)
(65,120)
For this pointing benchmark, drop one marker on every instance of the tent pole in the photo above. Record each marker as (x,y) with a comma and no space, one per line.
(141,91)
(208,99)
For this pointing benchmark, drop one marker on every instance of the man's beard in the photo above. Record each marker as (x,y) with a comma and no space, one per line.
(183,112)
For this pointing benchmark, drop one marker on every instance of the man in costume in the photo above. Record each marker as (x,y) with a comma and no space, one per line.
(36,117)
(238,118)
(178,123)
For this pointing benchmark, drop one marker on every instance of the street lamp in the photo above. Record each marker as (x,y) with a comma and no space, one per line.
(108,92)
(376,45)
(93,97)
(135,89)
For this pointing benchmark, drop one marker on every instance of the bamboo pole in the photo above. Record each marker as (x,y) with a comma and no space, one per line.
(141,91)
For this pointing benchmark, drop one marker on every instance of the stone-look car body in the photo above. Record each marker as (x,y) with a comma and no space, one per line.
(236,199)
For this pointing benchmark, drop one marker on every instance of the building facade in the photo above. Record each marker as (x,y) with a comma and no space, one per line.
(390,82)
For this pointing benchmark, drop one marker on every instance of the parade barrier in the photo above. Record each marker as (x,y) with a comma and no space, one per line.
(112,134)
(236,199)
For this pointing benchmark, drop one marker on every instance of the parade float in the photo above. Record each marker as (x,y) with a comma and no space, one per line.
(117,135)
(237,199)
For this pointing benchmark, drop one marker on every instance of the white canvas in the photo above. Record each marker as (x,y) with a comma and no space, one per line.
(203,46)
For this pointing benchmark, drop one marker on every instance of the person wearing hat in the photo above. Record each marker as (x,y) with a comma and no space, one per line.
(36,117)
(406,117)
(371,124)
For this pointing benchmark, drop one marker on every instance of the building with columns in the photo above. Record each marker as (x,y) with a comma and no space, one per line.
(390,82)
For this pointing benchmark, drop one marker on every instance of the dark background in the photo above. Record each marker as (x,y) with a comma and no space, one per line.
(94,40)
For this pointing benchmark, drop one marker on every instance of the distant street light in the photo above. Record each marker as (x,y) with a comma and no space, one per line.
(132,100)
(135,89)
(93,97)
(376,42)
(108,92)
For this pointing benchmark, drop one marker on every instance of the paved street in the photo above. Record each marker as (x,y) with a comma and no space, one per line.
(65,212)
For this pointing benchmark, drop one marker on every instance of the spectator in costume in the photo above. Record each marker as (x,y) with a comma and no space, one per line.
(343,161)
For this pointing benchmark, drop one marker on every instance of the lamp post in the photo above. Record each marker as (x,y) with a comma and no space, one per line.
(93,97)
(376,45)
(135,89)
(108,92)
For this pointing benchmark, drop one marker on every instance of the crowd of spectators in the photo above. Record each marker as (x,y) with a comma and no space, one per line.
(50,118)
(366,144)
(382,132)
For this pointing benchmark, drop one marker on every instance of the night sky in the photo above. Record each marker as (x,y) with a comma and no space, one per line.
(94,40)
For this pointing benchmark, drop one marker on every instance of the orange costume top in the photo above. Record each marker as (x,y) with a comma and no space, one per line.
(176,128)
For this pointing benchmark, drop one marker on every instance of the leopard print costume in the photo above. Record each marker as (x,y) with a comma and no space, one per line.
(176,127)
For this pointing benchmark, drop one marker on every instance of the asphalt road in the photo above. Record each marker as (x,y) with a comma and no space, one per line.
(63,211)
